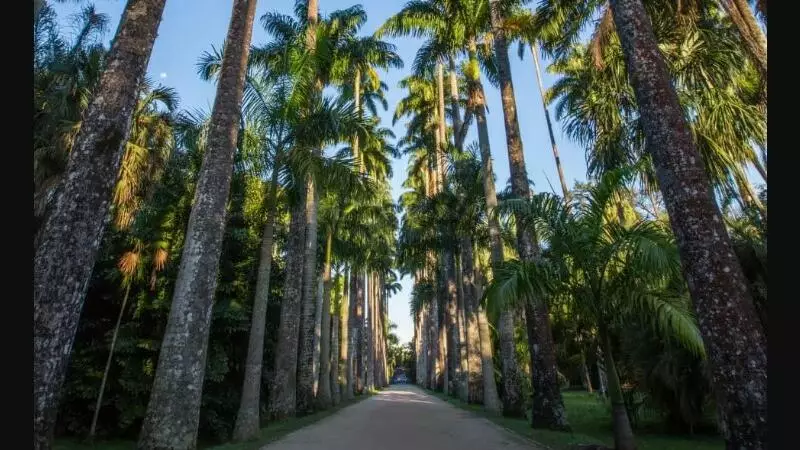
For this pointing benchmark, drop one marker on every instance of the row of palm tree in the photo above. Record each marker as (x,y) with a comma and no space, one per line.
(659,91)
(272,119)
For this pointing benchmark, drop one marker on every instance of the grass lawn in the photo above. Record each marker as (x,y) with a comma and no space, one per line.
(272,432)
(591,424)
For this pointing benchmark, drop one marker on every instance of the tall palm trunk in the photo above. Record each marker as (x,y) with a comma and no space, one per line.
(173,413)
(63,262)
(491,400)
(99,402)
(623,434)
(451,314)
(362,335)
(324,397)
(283,390)
(728,321)
(336,394)
(463,358)
(370,332)
(473,338)
(457,122)
(513,403)
(477,102)
(548,406)
(346,350)
(356,331)
(305,363)
(441,124)
(556,157)
(247,419)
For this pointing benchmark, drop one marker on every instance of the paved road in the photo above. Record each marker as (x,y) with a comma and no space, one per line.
(402,418)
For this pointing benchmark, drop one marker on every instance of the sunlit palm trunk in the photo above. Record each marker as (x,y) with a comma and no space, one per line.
(173,412)
(247,419)
(556,157)
(441,124)
(477,102)
(81,206)
(473,338)
(305,363)
(548,406)
(726,315)
(345,349)
(370,332)
(324,398)
(99,402)
(512,398)
(463,347)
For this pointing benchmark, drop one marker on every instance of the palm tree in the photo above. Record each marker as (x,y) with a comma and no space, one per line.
(172,413)
(696,221)
(548,406)
(614,274)
(699,229)
(81,206)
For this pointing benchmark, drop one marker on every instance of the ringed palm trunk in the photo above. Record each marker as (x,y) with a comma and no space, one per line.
(473,338)
(548,406)
(513,403)
(356,332)
(324,398)
(491,400)
(173,413)
(451,314)
(623,434)
(99,402)
(370,332)
(728,321)
(463,358)
(556,157)
(442,124)
(247,419)
(346,350)
(305,363)
(336,395)
(283,391)
(81,205)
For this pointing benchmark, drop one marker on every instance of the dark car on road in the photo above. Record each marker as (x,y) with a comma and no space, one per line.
(400,379)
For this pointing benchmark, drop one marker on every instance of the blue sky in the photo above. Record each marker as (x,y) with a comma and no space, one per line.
(190,27)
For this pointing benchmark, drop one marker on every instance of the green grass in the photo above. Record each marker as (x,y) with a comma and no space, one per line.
(272,432)
(591,424)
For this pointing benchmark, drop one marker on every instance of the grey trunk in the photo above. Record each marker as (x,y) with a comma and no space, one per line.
(451,313)
(548,406)
(63,261)
(336,394)
(283,390)
(305,363)
(247,419)
(173,413)
(473,338)
(346,351)
(327,357)
(728,322)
